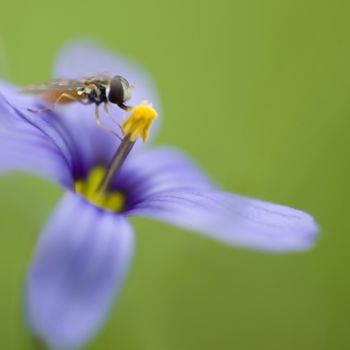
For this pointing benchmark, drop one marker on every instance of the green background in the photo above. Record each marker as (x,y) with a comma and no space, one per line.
(257,92)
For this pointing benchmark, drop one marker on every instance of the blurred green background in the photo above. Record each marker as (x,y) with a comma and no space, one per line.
(257,92)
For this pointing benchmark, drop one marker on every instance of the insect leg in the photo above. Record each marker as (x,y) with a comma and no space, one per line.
(111,117)
(63,95)
(99,123)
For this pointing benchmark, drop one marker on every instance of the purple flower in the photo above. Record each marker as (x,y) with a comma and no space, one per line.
(84,252)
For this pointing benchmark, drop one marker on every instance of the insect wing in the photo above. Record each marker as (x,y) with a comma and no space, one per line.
(54,85)
(97,79)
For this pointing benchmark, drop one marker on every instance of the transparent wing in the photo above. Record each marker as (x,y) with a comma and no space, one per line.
(100,78)
(54,85)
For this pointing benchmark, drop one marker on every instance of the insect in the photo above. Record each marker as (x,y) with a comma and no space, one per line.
(92,90)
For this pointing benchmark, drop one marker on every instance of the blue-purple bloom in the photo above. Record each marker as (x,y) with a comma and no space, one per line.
(84,252)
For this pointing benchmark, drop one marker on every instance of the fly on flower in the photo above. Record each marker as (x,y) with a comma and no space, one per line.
(91,90)
(83,254)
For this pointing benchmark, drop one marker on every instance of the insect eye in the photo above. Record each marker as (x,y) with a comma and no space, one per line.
(117,90)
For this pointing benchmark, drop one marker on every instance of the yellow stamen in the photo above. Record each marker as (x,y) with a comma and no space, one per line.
(139,122)
(88,188)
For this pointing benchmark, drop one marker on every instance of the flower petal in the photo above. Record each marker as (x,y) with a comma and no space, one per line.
(233,219)
(25,145)
(157,170)
(79,266)
(84,57)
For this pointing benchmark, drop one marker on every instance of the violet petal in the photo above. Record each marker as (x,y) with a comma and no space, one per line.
(24,146)
(157,170)
(78,268)
(233,219)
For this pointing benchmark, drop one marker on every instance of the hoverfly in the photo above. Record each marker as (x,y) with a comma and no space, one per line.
(92,90)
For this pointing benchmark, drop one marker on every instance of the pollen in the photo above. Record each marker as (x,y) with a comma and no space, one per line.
(89,189)
(139,122)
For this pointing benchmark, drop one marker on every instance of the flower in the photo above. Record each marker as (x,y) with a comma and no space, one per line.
(84,251)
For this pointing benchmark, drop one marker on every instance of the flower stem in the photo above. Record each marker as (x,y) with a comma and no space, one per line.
(119,158)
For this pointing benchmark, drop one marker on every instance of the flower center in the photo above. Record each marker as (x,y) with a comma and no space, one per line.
(95,188)
(89,188)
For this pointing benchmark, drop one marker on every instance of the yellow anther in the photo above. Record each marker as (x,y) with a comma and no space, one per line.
(88,188)
(139,122)
(80,187)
